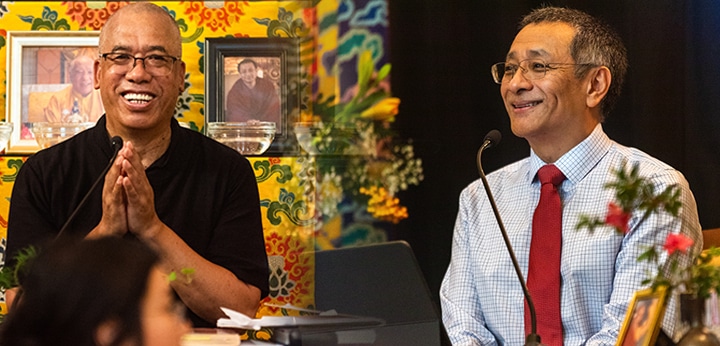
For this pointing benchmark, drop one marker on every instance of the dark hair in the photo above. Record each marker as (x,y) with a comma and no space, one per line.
(594,43)
(247,61)
(73,288)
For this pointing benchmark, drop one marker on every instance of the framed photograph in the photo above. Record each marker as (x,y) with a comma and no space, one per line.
(643,318)
(49,79)
(252,79)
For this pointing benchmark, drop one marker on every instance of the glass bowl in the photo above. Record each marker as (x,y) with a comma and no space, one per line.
(248,138)
(6,130)
(49,134)
(318,138)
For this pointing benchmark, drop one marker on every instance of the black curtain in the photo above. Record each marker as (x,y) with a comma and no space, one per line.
(442,51)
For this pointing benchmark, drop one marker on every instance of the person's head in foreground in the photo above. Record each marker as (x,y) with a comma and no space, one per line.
(106,291)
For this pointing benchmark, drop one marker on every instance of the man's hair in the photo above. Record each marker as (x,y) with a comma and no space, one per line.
(247,61)
(594,43)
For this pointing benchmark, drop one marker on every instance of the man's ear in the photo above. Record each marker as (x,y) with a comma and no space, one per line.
(106,333)
(96,74)
(599,80)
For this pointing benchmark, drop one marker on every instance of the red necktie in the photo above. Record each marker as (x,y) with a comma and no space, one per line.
(544,268)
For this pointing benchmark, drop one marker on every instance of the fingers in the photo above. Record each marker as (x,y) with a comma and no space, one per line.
(140,204)
(114,219)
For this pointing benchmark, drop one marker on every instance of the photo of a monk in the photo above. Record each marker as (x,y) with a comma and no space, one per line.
(254,96)
(79,102)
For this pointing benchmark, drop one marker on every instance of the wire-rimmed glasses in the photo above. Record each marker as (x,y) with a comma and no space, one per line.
(155,64)
(533,69)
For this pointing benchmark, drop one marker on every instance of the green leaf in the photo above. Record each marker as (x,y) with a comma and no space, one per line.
(365,69)
(384,72)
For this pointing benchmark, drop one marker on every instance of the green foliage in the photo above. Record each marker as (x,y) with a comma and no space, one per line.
(186,275)
(9,276)
(637,194)
(633,192)
(590,223)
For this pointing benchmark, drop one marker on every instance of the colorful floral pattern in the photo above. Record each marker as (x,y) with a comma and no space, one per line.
(214,15)
(91,18)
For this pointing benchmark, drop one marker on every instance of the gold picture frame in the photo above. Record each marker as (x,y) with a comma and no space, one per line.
(26,50)
(643,318)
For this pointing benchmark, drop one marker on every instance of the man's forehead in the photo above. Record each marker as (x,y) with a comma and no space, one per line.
(154,36)
(542,41)
(528,54)
(134,48)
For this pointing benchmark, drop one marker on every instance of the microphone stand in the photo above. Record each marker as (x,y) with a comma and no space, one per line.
(492,138)
(117,144)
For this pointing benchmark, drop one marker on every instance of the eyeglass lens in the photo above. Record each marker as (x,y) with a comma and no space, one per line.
(155,65)
(532,69)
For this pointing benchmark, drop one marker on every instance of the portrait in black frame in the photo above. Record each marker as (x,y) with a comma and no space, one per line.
(277,62)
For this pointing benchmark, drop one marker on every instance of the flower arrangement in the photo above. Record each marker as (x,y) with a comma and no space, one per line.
(634,193)
(357,153)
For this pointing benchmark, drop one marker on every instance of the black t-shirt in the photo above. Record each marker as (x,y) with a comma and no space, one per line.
(204,191)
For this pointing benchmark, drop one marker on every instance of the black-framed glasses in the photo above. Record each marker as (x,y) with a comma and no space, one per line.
(155,64)
(531,68)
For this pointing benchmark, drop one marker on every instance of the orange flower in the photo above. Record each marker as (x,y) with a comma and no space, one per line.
(386,109)
(677,242)
(383,206)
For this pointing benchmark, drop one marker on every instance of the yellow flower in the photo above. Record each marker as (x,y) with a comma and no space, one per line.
(383,206)
(386,109)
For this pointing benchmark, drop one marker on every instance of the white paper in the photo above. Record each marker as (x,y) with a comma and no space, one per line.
(326,319)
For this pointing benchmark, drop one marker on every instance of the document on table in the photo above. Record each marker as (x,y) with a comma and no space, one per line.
(326,319)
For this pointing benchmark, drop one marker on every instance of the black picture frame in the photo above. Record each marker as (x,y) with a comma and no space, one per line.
(283,54)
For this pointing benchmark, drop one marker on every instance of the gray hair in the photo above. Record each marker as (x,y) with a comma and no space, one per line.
(595,43)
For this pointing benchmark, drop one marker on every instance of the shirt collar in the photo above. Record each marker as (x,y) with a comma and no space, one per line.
(576,163)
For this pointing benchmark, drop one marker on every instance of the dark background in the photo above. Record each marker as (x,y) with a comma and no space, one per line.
(441,51)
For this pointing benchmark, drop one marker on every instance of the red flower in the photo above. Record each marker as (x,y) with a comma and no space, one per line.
(677,242)
(617,218)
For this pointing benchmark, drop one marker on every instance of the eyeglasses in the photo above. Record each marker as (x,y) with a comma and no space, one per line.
(533,69)
(154,64)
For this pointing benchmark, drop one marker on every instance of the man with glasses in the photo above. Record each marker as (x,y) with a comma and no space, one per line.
(560,78)
(190,198)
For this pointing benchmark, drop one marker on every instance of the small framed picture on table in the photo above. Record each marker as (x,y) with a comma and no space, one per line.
(643,318)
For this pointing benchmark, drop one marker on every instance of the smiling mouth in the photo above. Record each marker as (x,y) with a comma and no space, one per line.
(526,105)
(138,98)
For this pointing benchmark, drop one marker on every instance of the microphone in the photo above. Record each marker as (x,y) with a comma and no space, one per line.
(117,144)
(492,139)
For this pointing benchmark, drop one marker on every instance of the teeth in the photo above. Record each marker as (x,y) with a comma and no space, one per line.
(138,98)
(531,104)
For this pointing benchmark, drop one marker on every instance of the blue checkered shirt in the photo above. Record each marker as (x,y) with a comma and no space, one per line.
(482,301)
